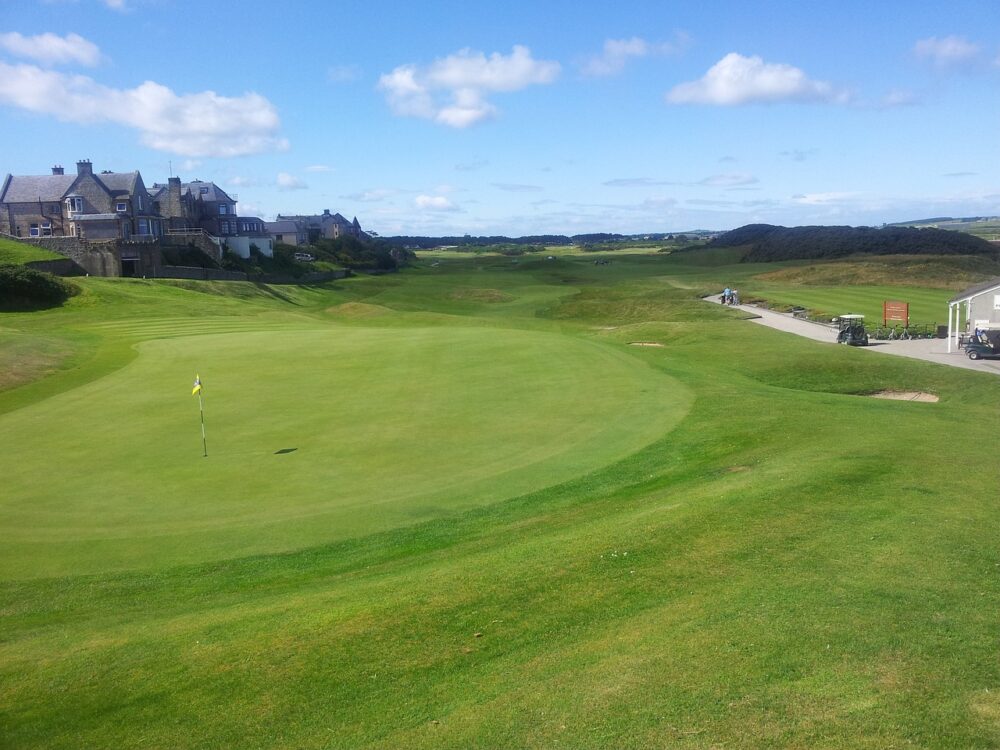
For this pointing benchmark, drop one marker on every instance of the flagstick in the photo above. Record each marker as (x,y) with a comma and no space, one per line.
(204,441)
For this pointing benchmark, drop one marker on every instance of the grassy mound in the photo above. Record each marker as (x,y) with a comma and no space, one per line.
(24,288)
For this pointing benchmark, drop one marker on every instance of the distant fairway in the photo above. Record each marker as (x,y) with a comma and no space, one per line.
(388,427)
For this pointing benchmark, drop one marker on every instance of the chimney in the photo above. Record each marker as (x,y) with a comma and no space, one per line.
(84,167)
(172,207)
(57,169)
(326,211)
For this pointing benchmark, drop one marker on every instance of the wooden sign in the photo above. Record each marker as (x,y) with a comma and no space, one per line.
(895,310)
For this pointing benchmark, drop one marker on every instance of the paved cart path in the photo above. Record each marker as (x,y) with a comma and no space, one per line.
(929,350)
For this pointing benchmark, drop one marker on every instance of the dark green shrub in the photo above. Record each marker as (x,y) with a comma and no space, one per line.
(24,288)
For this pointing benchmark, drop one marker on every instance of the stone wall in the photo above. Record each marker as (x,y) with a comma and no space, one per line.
(64,267)
(105,258)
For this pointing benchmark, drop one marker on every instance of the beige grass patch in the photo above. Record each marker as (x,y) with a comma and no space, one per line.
(645,343)
(927,398)
(480,295)
(359,310)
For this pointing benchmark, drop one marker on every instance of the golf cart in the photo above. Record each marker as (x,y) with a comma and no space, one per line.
(851,330)
(984,345)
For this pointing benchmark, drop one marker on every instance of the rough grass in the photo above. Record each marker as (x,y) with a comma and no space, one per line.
(787,565)
(941,272)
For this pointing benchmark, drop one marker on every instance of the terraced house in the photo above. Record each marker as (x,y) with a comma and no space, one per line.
(105,206)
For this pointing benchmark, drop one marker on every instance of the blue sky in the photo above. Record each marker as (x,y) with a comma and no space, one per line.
(521,117)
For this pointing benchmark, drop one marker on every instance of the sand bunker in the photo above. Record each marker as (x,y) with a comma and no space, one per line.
(644,343)
(928,398)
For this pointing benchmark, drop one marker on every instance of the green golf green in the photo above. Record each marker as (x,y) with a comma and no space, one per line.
(314,435)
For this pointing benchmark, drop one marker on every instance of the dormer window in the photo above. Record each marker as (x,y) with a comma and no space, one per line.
(203,191)
(223,208)
(121,207)
(74,205)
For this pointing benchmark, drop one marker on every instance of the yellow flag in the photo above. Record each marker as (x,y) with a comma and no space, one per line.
(197,385)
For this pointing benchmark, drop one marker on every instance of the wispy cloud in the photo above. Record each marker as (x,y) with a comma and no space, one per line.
(52,49)
(453,90)
(513,187)
(318,168)
(241,181)
(797,154)
(947,52)
(471,166)
(286,182)
(730,180)
(371,196)
(617,52)
(631,182)
(961,174)
(202,124)
(737,79)
(343,73)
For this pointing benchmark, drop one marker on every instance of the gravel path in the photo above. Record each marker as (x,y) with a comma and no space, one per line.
(929,350)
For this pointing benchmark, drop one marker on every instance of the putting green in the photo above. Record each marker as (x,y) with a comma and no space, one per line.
(314,435)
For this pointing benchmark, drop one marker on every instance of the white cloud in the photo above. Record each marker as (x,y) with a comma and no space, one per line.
(250,209)
(434,203)
(240,181)
(318,168)
(286,181)
(188,164)
(51,49)
(617,52)
(452,91)
(202,124)
(115,4)
(824,199)
(737,79)
(947,52)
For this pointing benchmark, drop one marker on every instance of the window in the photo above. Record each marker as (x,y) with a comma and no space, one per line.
(279,238)
(203,191)
(46,229)
(33,231)
(223,208)
(143,226)
(75,205)
(224,227)
(121,207)
(141,207)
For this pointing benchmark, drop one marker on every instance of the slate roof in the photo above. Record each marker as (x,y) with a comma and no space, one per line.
(119,182)
(46,187)
(975,291)
(285,226)
(215,193)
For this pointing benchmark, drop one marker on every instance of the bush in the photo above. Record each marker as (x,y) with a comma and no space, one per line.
(24,288)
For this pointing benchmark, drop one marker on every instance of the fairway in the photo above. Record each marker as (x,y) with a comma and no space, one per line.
(458,507)
(314,436)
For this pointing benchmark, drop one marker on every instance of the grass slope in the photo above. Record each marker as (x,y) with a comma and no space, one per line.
(747,554)
(18,253)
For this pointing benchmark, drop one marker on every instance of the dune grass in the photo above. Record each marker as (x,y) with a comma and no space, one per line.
(503,526)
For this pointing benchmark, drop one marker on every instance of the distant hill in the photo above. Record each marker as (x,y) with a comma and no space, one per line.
(768,242)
